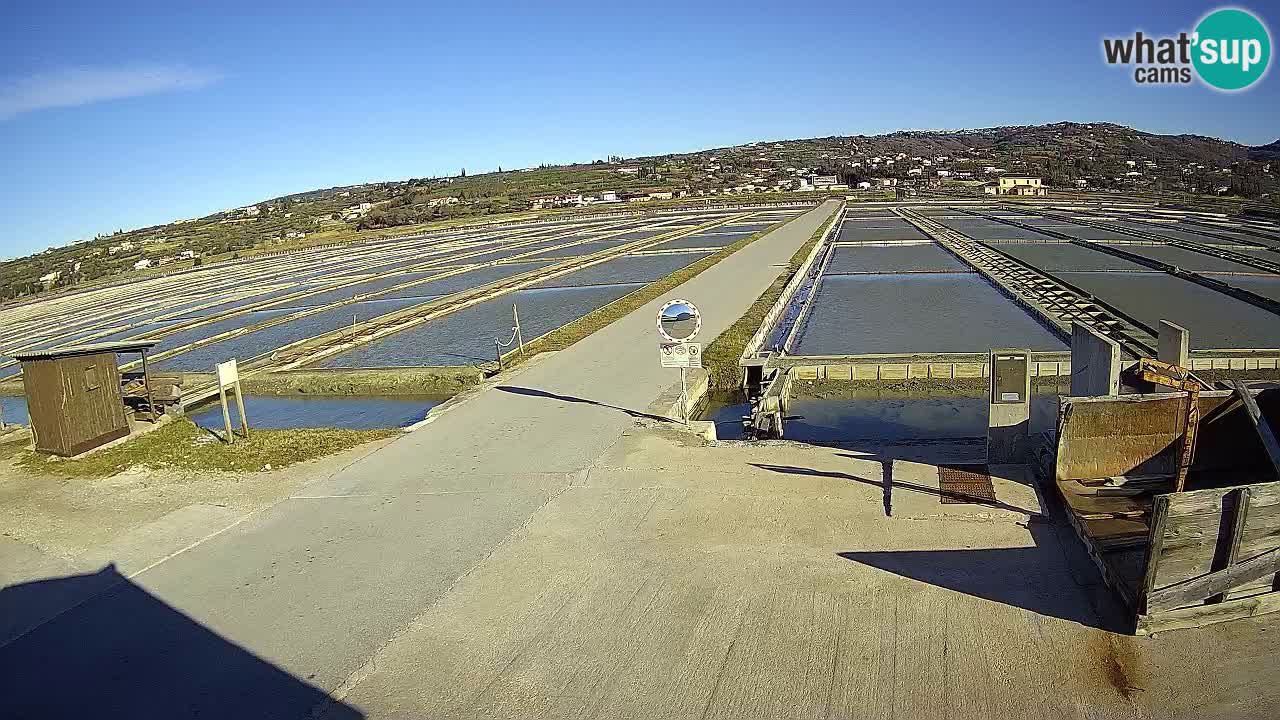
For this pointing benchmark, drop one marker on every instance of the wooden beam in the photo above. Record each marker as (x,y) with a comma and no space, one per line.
(1198,588)
(1201,615)
(1260,424)
(1159,514)
(1226,557)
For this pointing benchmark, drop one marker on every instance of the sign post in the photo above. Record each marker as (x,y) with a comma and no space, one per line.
(229,379)
(678,323)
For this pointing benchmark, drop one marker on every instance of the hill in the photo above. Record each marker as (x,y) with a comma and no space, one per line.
(1067,154)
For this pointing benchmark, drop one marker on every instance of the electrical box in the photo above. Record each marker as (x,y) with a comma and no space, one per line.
(1009,376)
(1009,412)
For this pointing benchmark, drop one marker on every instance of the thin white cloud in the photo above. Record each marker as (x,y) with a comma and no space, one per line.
(71,87)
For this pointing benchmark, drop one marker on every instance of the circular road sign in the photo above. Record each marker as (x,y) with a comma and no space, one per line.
(679,321)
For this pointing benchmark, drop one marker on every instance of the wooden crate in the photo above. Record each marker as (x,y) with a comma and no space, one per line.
(1176,559)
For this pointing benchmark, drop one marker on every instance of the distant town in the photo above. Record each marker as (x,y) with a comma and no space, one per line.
(1007,161)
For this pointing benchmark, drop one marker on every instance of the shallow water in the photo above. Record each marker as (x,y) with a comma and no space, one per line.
(14,410)
(916,313)
(883,417)
(466,337)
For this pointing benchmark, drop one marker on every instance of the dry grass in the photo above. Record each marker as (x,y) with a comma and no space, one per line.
(184,446)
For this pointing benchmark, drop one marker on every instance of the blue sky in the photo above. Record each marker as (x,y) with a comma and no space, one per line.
(120,115)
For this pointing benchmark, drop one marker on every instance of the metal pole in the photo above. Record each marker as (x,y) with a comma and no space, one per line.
(519,332)
(497,350)
(684,399)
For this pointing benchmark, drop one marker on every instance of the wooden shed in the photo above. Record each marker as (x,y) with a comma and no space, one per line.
(74,395)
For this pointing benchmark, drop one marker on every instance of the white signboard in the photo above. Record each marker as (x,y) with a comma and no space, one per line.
(228,373)
(681,355)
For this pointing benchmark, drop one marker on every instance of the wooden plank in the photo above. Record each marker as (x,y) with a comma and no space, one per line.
(1191,543)
(1089,505)
(1115,533)
(1260,424)
(1199,588)
(1201,615)
(1159,515)
(1106,570)
(1230,552)
(1210,500)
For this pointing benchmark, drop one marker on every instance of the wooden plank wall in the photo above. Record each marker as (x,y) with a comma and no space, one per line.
(1200,530)
(99,409)
(42,380)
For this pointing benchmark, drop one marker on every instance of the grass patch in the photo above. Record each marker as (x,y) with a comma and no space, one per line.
(593,321)
(435,382)
(182,445)
(721,356)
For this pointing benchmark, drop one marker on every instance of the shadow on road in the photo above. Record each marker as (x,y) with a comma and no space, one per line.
(1030,578)
(127,654)
(887,484)
(531,392)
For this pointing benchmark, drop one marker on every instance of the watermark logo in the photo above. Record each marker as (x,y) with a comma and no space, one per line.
(1230,49)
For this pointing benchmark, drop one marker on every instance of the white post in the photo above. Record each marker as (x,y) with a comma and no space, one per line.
(519,333)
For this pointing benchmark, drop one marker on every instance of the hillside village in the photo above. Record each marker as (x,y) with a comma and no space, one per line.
(1066,156)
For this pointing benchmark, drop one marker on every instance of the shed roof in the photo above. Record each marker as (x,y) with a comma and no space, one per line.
(94,349)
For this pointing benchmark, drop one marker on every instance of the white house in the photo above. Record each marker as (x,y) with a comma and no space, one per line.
(864,185)
(916,171)
(142,264)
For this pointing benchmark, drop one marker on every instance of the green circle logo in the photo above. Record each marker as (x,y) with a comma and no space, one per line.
(1232,49)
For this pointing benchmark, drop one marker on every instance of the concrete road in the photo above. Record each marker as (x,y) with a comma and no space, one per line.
(259,620)
(768,580)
